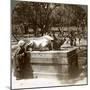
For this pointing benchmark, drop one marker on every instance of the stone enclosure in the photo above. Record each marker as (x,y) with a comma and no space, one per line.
(61,64)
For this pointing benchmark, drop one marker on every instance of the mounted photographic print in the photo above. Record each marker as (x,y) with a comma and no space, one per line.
(48,44)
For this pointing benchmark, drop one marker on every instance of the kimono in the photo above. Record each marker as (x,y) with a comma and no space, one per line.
(22,65)
(19,62)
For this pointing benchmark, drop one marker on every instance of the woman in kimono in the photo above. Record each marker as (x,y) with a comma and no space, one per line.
(21,61)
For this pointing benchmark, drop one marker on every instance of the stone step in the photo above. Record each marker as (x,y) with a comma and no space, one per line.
(51,75)
(51,68)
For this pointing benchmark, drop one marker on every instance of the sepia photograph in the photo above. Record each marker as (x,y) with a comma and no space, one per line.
(49,44)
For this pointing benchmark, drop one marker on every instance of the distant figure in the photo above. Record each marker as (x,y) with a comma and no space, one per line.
(79,39)
(59,31)
(19,60)
(74,42)
(22,28)
(26,28)
(71,37)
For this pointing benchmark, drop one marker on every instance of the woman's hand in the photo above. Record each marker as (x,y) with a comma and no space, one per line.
(22,54)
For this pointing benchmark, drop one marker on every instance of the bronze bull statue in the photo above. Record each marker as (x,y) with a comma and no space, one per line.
(45,42)
(40,43)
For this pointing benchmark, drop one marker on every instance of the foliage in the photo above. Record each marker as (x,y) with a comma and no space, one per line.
(42,16)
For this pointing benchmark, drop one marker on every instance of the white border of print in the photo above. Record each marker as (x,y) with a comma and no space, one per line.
(5,44)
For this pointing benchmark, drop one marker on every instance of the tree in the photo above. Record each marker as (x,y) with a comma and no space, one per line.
(69,15)
(38,15)
(42,16)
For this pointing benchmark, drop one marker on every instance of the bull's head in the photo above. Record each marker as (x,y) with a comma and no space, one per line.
(58,43)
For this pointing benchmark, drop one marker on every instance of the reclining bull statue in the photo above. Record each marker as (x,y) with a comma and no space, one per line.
(45,42)
(41,43)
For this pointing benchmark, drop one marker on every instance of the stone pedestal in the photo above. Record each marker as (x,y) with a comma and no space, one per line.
(54,64)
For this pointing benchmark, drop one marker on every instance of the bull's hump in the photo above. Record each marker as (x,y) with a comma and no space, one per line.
(36,38)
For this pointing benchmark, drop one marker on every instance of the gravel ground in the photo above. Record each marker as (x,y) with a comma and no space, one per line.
(47,82)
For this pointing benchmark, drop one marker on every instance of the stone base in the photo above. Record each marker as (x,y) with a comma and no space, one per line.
(55,64)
